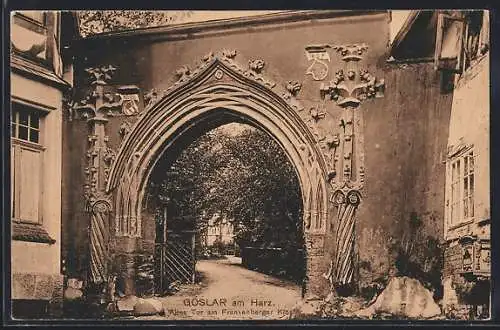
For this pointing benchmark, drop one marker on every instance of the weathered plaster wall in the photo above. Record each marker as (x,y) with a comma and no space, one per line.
(405,143)
(36,271)
(405,131)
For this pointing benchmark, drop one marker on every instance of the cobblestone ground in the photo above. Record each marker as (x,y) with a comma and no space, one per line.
(231,292)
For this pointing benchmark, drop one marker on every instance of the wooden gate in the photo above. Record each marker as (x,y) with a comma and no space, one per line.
(175,259)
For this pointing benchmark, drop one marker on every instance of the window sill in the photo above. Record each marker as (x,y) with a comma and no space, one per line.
(30,232)
(461,224)
(28,144)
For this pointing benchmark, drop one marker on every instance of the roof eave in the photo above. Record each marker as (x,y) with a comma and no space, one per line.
(401,35)
(283,16)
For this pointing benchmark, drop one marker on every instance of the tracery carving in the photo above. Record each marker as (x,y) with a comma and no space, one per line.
(100,99)
(226,56)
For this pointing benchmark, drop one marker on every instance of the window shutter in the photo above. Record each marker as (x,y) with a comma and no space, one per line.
(13,192)
(29,184)
(449,43)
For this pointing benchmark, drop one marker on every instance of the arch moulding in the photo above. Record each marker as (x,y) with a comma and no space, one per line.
(218,86)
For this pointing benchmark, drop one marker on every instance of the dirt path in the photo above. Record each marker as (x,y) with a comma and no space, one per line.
(230,291)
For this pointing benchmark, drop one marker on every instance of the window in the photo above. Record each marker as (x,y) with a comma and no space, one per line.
(25,125)
(26,164)
(462,188)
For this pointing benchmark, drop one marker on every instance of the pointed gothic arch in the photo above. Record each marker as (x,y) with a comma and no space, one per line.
(219,87)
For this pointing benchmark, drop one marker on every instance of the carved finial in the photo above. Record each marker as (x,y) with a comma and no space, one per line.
(293,87)
(182,72)
(229,53)
(100,75)
(256,65)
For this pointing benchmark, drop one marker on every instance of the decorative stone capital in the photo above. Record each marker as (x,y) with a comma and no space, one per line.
(351,52)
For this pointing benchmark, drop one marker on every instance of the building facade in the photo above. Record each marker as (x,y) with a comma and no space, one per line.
(39,81)
(456,43)
(219,230)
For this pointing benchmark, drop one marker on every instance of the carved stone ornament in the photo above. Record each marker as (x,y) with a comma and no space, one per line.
(100,100)
(293,87)
(130,100)
(124,130)
(256,65)
(226,56)
(183,72)
(151,97)
(317,113)
(101,75)
(319,57)
(344,146)
(351,52)
(352,94)
(229,53)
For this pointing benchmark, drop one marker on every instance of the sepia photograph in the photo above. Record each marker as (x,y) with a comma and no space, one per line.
(296,165)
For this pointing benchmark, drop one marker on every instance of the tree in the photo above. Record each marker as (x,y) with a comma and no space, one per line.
(95,22)
(245,177)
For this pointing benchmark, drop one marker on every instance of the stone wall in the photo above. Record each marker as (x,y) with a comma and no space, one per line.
(404,131)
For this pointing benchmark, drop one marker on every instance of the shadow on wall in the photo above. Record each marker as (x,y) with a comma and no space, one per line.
(415,255)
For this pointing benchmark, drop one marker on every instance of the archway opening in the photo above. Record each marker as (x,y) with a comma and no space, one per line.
(224,199)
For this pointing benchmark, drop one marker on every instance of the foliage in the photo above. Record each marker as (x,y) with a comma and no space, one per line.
(95,22)
(245,177)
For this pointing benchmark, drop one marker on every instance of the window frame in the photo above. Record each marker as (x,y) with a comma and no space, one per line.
(16,122)
(455,179)
(16,147)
